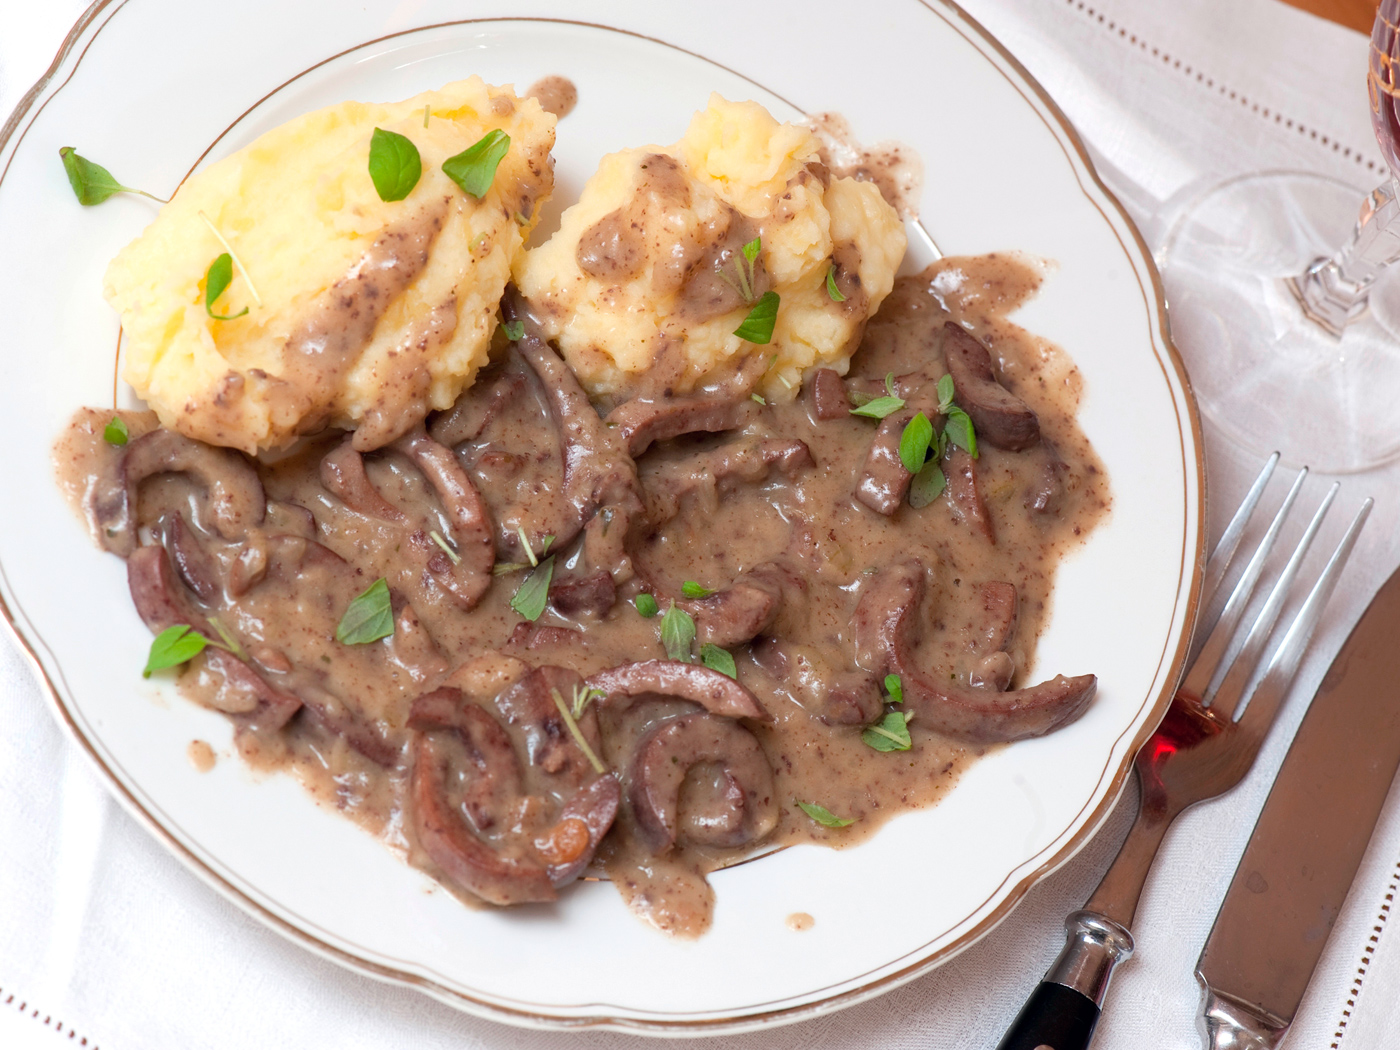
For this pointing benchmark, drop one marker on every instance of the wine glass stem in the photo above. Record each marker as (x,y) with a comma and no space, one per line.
(1333,291)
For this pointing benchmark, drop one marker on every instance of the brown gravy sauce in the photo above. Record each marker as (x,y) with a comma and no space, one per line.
(615,247)
(338,325)
(892,166)
(714,515)
(555,94)
(201,755)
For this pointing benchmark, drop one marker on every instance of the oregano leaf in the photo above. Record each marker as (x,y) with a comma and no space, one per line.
(174,646)
(757,327)
(216,279)
(832,291)
(474,169)
(914,443)
(677,633)
(718,659)
(369,616)
(529,601)
(928,485)
(822,815)
(394,164)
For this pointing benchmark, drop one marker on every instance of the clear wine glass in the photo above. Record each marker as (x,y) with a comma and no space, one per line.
(1292,343)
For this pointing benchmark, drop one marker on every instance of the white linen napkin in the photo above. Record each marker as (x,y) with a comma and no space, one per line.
(106,936)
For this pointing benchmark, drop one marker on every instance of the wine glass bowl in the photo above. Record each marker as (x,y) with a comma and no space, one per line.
(1280,299)
(1380,81)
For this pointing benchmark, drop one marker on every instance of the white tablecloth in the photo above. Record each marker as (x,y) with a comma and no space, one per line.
(107,941)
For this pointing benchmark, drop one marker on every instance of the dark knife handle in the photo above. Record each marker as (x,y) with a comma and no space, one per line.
(1054,1016)
(1064,1008)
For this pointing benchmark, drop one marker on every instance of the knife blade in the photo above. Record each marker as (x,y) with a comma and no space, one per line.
(1309,839)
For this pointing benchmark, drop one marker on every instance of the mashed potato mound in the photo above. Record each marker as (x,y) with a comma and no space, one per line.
(371,312)
(651,257)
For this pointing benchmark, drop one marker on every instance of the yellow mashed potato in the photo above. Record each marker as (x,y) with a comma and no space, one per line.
(649,260)
(370,312)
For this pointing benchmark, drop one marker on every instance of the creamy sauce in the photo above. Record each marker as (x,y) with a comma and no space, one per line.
(201,755)
(338,325)
(740,513)
(615,248)
(892,166)
(556,95)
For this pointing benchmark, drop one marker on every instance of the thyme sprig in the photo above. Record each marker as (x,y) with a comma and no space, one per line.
(576,733)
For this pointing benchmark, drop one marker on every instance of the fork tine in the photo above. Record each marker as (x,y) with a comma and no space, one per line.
(1225,698)
(1278,674)
(1220,558)
(1224,553)
(1212,653)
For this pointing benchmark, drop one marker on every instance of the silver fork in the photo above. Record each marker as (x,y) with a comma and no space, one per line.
(1204,746)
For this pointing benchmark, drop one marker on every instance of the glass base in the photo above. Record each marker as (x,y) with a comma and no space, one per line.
(1267,376)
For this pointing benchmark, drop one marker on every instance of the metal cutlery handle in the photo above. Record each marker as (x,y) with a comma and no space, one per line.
(1205,744)
(1232,1025)
(1064,1008)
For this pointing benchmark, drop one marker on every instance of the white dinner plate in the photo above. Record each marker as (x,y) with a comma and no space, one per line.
(154,88)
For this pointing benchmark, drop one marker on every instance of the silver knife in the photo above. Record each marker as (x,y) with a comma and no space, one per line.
(1308,843)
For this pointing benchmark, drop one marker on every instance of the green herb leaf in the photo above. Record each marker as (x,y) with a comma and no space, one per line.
(172,647)
(116,432)
(879,407)
(831,290)
(92,183)
(717,659)
(368,618)
(677,633)
(578,736)
(505,568)
(218,277)
(889,384)
(891,734)
(474,169)
(894,689)
(514,330)
(646,605)
(759,398)
(960,432)
(544,543)
(914,442)
(928,485)
(945,394)
(758,326)
(529,601)
(691,589)
(236,262)
(394,164)
(752,249)
(822,815)
(860,397)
